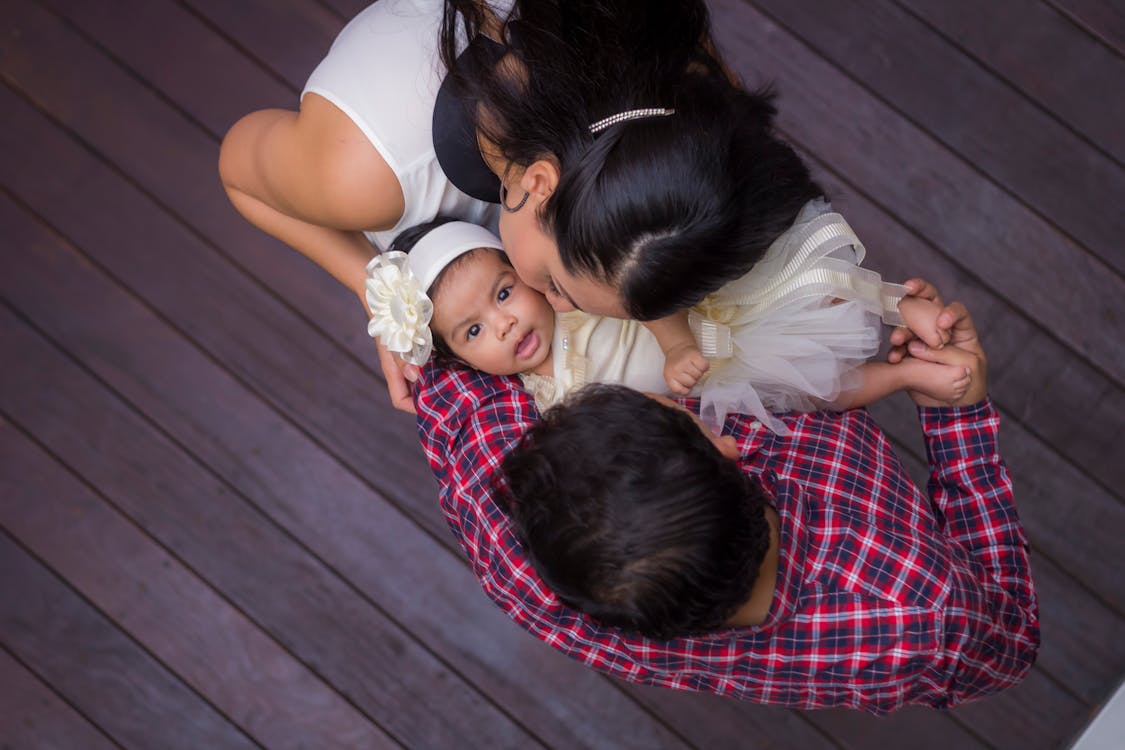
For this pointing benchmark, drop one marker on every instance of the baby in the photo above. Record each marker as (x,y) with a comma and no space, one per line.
(447,286)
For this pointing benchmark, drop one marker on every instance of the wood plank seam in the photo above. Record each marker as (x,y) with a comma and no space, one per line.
(77,709)
(70,25)
(236,492)
(233,42)
(1008,82)
(921,127)
(105,616)
(1082,25)
(31,437)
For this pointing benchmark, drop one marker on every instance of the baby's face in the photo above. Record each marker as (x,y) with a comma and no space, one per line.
(491,319)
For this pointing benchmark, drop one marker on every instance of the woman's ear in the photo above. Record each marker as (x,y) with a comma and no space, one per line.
(540,178)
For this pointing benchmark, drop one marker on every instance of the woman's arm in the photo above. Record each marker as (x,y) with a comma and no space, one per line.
(314,181)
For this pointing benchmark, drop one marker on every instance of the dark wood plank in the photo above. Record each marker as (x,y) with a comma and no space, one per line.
(1041,52)
(979,226)
(333,512)
(185,62)
(714,722)
(1103,19)
(36,717)
(124,691)
(1035,713)
(293,596)
(179,50)
(965,107)
(914,727)
(150,595)
(303,29)
(345,9)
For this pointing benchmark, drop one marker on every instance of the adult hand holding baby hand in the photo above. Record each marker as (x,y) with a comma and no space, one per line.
(961,346)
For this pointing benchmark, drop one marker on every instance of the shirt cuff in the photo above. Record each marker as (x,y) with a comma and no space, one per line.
(940,416)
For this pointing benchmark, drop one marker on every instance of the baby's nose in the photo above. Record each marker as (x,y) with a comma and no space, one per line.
(507,323)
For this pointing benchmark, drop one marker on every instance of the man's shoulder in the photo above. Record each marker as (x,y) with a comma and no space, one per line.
(458,406)
(445,389)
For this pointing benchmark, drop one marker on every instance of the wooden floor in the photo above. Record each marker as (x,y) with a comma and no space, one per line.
(216,533)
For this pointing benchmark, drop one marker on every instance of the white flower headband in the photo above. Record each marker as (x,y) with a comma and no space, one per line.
(397,285)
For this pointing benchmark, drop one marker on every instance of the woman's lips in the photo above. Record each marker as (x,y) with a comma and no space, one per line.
(528,345)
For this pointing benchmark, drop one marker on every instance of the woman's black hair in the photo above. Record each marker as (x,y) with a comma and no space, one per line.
(666,209)
(629,514)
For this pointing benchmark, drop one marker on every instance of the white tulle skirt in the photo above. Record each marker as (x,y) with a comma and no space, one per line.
(792,333)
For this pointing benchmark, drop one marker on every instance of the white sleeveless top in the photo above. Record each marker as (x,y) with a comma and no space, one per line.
(383,71)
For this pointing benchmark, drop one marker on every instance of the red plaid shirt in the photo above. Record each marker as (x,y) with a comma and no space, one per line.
(883,597)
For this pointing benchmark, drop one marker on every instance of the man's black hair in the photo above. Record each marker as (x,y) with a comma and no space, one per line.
(631,515)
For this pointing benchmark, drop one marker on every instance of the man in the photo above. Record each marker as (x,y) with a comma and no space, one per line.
(880,597)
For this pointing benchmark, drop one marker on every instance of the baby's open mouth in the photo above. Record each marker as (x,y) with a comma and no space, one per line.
(528,345)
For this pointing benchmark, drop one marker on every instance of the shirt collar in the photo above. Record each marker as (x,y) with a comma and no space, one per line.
(789,504)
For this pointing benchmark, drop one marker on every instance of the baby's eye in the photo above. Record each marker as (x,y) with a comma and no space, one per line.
(504,293)
(473,332)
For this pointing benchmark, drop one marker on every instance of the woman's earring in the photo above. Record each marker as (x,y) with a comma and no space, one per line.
(504,200)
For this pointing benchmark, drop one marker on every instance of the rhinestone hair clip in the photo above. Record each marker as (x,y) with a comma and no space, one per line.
(632,114)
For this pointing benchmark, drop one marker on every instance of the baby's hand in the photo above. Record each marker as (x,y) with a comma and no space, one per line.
(921,316)
(683,367)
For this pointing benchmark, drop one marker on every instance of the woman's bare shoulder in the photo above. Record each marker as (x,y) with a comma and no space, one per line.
(315,165)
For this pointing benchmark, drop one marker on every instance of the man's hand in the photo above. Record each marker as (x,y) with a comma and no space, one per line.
(963,350)
(400,376)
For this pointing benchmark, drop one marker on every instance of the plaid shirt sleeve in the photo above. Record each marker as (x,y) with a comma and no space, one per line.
(992,621)
(468,421)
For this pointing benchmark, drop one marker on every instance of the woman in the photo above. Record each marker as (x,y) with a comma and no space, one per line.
(679,187)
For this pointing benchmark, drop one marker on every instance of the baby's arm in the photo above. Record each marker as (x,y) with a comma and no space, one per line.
(945,383)
(940,382)
(684,364)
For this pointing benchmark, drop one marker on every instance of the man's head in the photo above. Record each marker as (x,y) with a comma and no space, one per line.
(631,514)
